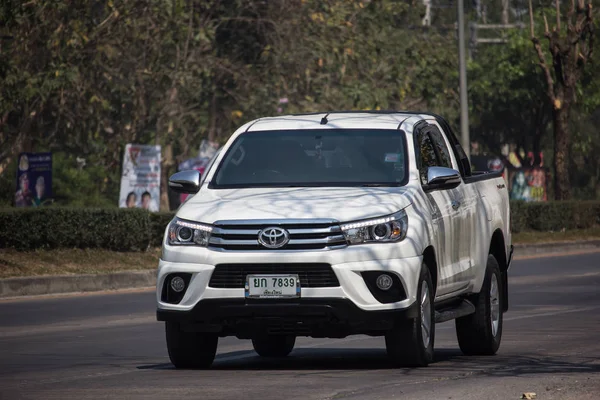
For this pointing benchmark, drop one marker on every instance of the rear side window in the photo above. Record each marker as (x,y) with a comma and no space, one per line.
(441,148)
(426,156)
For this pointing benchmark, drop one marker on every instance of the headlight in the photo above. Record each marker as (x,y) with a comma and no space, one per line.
(391,228)
(188,233)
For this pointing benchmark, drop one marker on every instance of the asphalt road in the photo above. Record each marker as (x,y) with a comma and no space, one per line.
(109,346)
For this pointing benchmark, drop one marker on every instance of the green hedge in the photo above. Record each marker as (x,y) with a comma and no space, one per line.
(554,215)
(55,227)
(134,230)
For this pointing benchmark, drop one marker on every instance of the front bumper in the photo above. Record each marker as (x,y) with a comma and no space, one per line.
(315,317)
(352,285)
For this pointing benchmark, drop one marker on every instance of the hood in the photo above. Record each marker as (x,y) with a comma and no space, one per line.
(342,204)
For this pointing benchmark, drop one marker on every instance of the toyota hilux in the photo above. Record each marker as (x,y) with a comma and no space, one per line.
(332,224)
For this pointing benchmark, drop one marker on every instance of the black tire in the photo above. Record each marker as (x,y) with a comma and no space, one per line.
(274,345)
(404,343)
(477,334)
(190,349)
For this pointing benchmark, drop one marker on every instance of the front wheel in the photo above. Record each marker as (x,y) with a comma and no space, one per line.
(480,333)
(274,345)
(190,349)
(410,343)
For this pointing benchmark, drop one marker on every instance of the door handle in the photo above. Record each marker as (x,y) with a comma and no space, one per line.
(455,204)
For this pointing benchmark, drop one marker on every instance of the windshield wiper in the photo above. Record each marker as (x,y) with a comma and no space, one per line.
(376,185)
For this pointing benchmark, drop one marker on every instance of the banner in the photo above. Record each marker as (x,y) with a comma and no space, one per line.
(140,180)
(529,184)
(34,180)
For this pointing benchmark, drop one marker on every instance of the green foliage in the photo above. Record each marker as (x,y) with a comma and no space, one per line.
(82,79)
(8,185)
(519,218)
(88,186)
(54,227)
(509,105)
(505,86)
(554,215)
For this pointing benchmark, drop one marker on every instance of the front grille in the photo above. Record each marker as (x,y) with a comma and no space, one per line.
(309,235)
(229,276)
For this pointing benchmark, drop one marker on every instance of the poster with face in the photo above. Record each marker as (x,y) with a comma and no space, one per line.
(34,180)
(140,179)
(528,184)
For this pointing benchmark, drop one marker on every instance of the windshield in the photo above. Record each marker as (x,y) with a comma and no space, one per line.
(323,157)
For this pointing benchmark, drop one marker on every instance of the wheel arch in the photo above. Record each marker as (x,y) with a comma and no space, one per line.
(430,260)
(498,250)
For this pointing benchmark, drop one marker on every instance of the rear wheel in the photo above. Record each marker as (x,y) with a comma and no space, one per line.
(480,333)
(190,349)
(274,345)
(410,343)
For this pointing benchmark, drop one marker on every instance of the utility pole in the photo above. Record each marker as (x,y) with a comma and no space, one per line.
(462,67)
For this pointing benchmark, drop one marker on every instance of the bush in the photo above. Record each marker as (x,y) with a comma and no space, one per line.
(554,215)
(55,227)
(519,216)
(134,229)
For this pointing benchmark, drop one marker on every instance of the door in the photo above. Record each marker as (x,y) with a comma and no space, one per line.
(463,200)
(442,206)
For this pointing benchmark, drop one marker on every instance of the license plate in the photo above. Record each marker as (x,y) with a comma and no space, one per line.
(272,286)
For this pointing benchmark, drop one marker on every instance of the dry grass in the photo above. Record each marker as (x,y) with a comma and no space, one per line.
(95,261)
(74,261)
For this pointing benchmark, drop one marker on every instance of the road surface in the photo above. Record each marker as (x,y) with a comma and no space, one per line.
(110,346)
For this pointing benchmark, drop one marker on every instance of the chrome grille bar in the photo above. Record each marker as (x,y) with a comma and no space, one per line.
(303,234)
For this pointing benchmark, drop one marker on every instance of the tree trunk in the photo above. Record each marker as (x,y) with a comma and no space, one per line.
(212,134)
(167,163)
(561,153)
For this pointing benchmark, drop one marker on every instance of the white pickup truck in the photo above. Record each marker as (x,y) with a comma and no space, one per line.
(334,224)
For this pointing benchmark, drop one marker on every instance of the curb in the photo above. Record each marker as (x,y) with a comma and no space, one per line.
(57,284)
(39,285)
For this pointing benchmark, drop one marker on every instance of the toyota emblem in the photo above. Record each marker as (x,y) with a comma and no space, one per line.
(273,237)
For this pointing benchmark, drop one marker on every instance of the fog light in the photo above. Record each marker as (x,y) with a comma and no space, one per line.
(384,282)
(177,284)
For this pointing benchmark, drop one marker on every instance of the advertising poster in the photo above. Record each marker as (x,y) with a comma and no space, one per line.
(528,184)
(34,180)
(140,180)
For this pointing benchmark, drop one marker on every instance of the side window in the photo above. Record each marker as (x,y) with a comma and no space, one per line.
(441,148)
(427,157)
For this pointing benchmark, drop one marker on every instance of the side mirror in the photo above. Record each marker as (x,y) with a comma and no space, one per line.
(442,178)
(185,181)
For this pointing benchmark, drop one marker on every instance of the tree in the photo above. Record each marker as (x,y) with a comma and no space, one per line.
(505,86)
(570,51)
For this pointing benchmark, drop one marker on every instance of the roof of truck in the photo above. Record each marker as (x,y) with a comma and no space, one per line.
(336,120)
